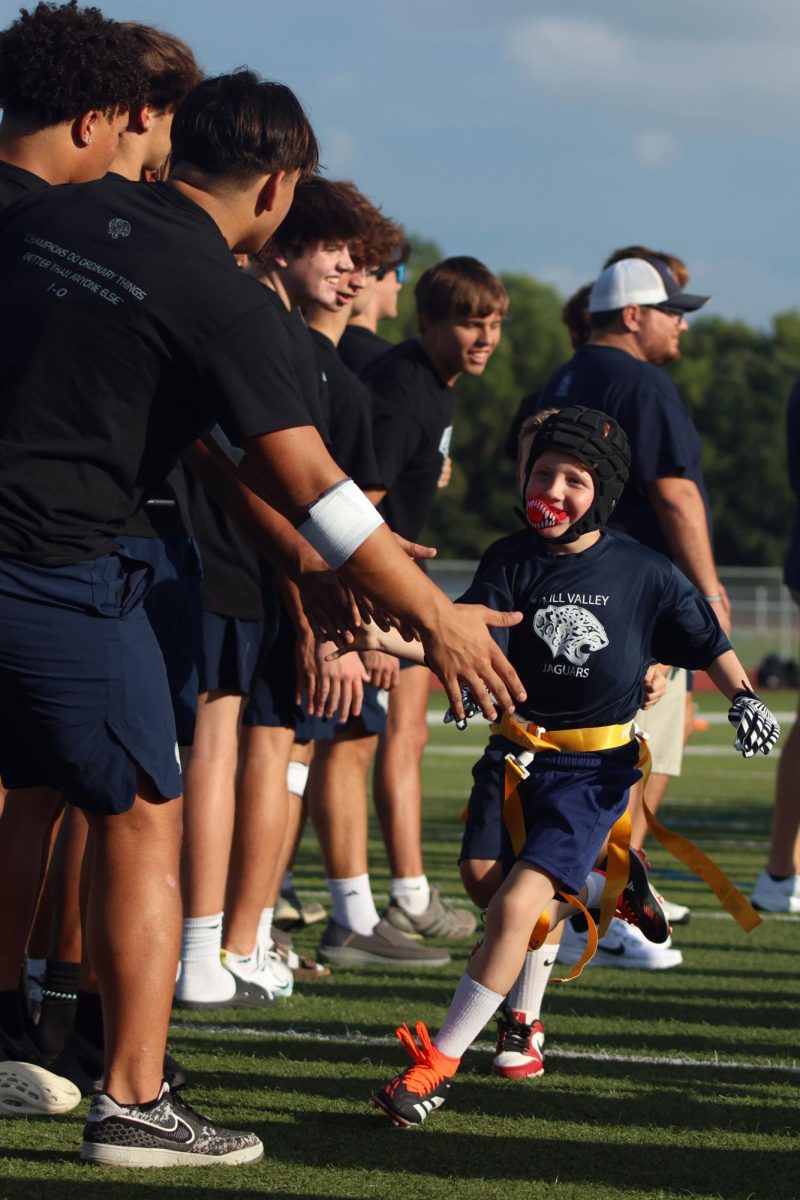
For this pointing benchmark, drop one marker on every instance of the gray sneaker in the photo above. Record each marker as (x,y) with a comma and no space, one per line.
(384,947)
(440,919)
(164,1133)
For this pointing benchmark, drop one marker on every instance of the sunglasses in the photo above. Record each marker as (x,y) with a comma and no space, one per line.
(381,272)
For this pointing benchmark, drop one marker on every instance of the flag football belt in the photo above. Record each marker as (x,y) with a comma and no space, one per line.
(533,738)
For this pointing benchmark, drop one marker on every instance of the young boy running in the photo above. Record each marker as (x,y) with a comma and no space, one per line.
(598,608)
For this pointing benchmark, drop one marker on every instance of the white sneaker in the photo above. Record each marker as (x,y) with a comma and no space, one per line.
(676,914)
(30,1090)
(777,895)
(263,968)
(623,946)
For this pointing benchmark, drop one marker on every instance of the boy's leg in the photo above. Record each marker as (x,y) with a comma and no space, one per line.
(493,968)
(135,903)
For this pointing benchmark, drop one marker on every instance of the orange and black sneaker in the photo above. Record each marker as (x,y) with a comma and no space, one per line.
(422,1087)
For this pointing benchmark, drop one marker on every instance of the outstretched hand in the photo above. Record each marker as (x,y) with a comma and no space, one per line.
(756,727)
(462,652)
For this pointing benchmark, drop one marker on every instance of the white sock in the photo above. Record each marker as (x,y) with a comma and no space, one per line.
(526,994)
(413,892)
(352,904)
(471,1007)
(264,935)
(202,975)
(244,965)
(296,777)
(595,882)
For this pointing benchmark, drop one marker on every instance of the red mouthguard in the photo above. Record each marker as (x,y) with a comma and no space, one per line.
(542,515)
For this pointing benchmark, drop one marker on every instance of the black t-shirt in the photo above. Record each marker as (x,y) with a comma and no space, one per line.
(16,183)
(411,428)
(125,331)
(651,410)
(235,577)
(592,623)
(349,414)
(166,512)
(359,347)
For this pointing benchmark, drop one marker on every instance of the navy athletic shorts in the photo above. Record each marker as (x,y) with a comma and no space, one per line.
(84,697)
(231,653)
(174,605)
(570,804)
(272,701)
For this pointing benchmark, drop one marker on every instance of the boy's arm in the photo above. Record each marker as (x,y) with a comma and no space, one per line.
(756,727)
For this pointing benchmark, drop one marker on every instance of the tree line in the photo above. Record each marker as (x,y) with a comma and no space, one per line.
(735,380)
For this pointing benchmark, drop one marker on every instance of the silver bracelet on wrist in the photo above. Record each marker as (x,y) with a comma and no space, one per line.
(713,599)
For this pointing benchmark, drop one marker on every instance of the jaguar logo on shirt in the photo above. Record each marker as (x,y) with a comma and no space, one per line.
(118,228)
(570,631)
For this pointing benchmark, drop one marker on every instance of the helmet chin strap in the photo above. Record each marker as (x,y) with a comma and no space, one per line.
(542,515)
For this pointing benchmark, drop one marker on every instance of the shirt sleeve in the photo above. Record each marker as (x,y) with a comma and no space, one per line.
(687,633)
(248,380)
(492,585)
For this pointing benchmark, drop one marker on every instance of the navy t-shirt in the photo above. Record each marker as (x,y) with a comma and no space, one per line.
(411,427)
(791,573)
(651,410)
(592,623)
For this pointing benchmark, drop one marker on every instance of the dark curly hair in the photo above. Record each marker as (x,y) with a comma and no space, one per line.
(237,126)
(59,61)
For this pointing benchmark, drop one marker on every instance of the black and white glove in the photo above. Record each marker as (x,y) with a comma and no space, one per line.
(471,709)
(756,728)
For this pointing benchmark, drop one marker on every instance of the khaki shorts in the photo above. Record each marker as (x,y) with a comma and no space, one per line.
(665,725)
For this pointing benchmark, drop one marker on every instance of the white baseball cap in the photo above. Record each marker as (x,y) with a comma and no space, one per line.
(645,281)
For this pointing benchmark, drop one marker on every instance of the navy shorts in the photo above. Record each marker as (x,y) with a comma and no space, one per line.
(272,702)
(174,606)
(231,652)
(84,697)
(570,803)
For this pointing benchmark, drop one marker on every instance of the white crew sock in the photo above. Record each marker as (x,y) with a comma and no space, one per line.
(471,1007)
(264,935)
(296,777)
(352,904)
(413,892)
(202,975)
(526,994)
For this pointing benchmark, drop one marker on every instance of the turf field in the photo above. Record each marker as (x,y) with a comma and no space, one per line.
(659,1084)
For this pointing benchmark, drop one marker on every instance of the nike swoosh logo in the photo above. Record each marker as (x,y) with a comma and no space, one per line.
(178,1132)
(617,952)
(548,962)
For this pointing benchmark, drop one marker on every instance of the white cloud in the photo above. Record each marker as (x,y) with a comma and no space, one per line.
(738,79)
(655,148)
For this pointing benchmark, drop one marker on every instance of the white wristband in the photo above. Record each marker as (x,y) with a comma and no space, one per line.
(339,522)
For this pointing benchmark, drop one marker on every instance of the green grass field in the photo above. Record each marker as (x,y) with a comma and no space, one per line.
(682,1083)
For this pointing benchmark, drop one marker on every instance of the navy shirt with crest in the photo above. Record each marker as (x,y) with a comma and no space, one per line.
(592,623)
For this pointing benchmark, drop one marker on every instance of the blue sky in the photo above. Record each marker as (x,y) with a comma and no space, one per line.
(540,134)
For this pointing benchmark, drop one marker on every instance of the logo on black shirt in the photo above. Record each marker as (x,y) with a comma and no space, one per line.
(118,228)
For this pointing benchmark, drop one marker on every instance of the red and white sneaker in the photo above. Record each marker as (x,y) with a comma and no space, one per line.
(520,1046)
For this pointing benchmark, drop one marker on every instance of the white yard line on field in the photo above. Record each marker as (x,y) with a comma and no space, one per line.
(355,1037)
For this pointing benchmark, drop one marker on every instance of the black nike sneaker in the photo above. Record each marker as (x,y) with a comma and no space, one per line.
(421,1088)
(167,1132)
